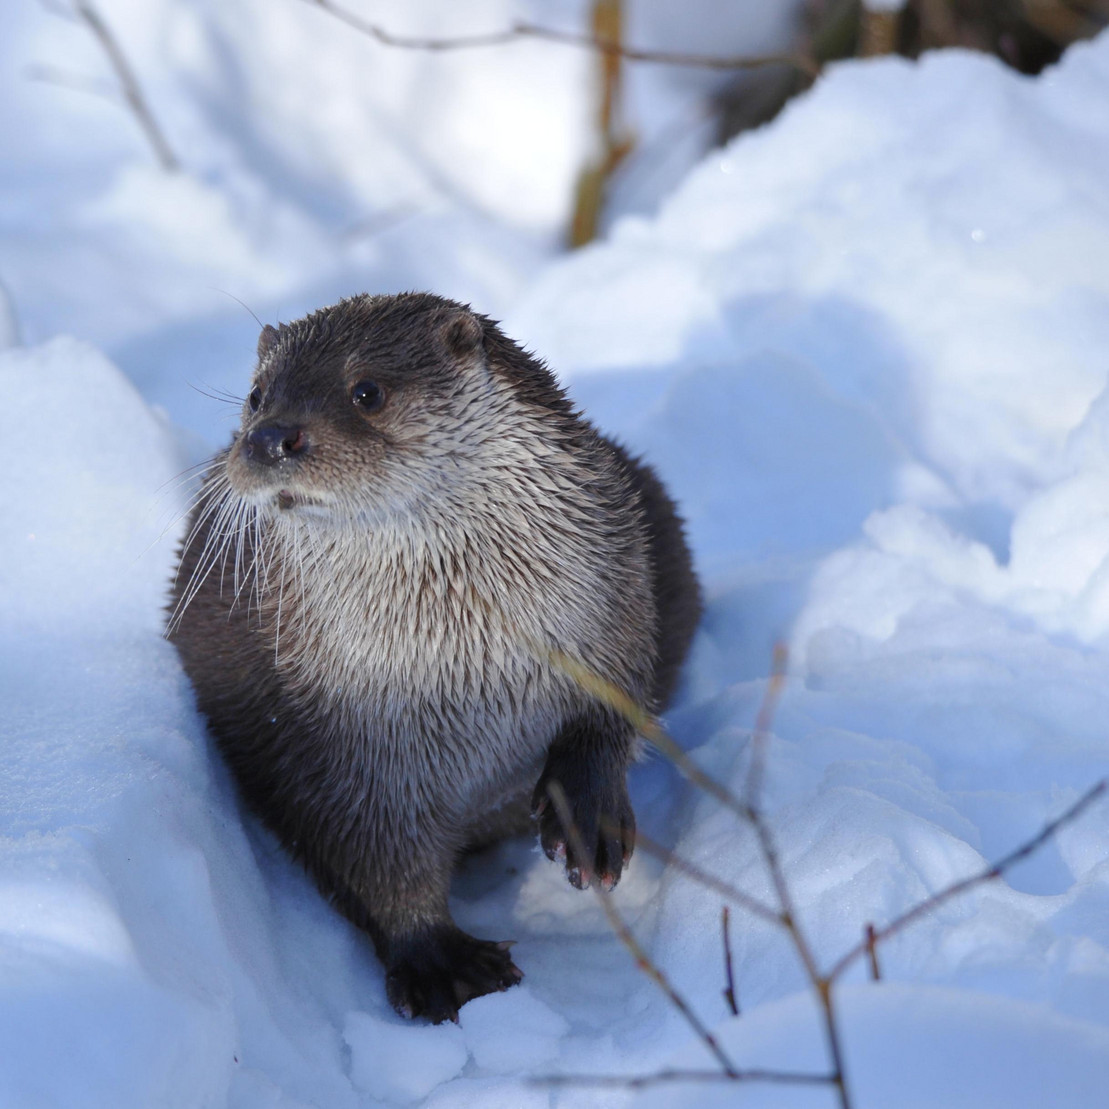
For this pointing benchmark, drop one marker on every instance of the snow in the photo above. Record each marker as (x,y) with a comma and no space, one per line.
(402,1063)
(918,1047)
(866,346)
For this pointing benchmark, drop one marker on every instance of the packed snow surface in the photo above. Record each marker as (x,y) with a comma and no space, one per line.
(867,347)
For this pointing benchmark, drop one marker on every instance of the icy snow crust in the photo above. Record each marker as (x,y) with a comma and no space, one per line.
(868,349)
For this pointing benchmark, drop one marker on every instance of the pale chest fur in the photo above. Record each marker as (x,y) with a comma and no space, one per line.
(434,637)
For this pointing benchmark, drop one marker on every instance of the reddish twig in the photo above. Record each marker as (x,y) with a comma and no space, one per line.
(872,952)
(729,976)
(522,29)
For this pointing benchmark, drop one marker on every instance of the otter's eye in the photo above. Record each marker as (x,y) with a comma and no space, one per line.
(255,399)
(368,395)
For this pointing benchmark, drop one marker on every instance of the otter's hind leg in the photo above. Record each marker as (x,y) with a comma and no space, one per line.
(399,898)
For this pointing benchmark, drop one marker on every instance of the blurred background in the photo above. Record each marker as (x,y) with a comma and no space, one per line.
(164,160)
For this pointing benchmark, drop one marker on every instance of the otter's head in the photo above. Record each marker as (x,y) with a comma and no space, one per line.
(373,406)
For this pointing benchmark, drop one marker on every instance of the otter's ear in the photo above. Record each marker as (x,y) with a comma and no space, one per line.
(462,333)
(266,341)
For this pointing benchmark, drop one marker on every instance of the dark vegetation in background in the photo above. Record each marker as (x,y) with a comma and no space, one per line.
(1025,34)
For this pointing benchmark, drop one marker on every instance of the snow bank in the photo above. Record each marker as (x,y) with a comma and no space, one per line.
(867,348)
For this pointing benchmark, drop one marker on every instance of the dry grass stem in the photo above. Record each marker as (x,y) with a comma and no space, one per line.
(760,739)
(648,727)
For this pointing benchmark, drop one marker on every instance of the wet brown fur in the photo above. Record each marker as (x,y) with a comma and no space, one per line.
(369,622)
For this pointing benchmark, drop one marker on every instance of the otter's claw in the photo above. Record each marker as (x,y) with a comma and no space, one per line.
(605,825)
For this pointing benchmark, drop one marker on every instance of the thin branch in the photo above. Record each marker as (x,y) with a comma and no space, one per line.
(638,952)
(709,881)
(68,79)
(522,29)
(821,984)
(872,952)
(128,83)
(988,874)
(729,976)
(640,1081)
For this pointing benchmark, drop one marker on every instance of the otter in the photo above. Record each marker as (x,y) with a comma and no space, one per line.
(410,528)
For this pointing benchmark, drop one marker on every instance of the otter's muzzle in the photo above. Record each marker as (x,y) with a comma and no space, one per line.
(270,445)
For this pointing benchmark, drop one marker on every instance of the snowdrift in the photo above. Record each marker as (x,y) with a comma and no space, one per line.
(868,348)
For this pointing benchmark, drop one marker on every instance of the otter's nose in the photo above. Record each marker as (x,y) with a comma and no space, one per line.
(270,445)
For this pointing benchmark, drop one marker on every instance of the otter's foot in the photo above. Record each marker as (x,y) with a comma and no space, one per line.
(602,814)
(436,973)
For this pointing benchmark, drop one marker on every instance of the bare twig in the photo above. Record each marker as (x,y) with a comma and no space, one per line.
(748,810)
(729,976)
(129,85)
(638,952)
(872,952)
(521,29)
(988,874)
(790,919)
(822,985)
(732,893)
(69,79)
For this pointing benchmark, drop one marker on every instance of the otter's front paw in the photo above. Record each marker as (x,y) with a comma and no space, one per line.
(436,973)
(605,823)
